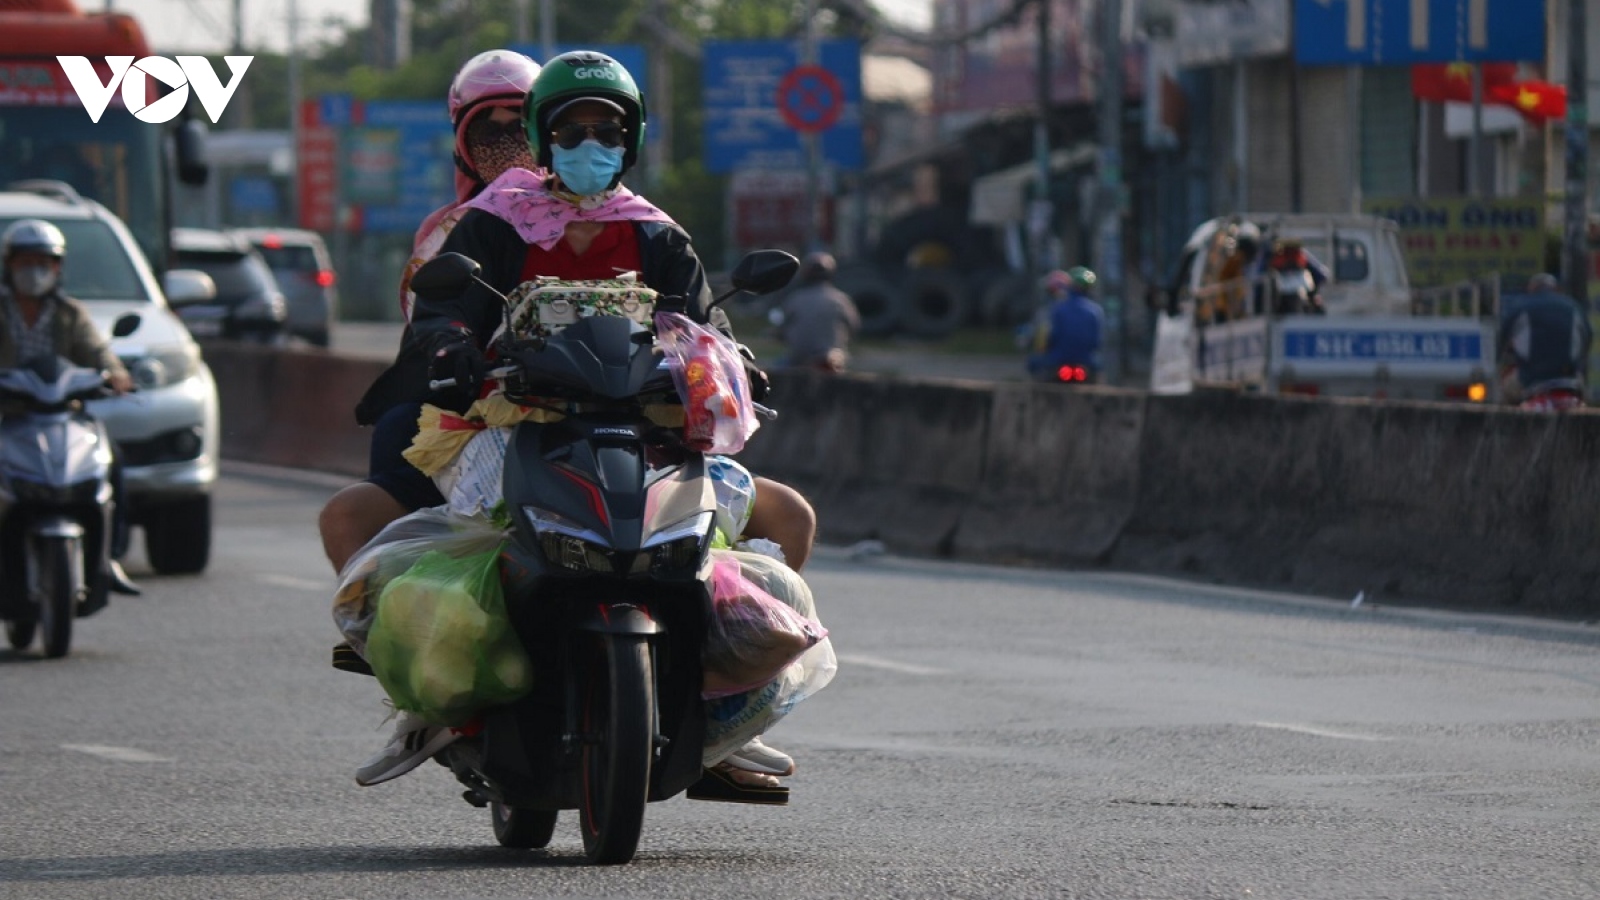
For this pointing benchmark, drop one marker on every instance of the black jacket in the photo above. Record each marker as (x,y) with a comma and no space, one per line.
(669,265)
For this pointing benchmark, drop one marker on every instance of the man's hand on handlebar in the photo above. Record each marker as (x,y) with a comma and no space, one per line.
(456,356)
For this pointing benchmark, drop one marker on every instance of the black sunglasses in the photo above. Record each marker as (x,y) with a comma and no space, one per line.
(486,130)
(570,135)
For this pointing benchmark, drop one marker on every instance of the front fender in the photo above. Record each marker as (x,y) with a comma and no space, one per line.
(619,618)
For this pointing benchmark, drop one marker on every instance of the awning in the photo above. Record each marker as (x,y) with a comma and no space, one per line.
(999,198)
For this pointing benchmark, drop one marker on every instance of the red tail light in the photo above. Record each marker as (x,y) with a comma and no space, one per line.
(324,278)
(272,242)
(1308,389)
(1072,373)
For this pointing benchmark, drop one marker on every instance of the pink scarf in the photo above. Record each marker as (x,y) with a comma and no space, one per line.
(541,216)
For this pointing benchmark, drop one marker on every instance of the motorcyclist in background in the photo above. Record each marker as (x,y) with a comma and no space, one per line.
(1545,338)
(585,121)
(816,320)
(41,320)
(1068,332)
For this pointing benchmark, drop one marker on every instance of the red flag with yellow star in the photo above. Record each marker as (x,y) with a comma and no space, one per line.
(1441,82)
(1537,100)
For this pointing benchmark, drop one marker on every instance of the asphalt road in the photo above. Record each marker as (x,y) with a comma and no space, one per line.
(991,733)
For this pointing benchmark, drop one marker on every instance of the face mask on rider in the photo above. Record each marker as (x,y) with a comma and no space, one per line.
(587,168)
(500,154)
(35,281)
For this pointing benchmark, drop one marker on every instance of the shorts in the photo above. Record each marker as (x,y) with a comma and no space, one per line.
(388,468)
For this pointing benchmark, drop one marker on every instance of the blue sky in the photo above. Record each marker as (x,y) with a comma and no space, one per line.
(206,26)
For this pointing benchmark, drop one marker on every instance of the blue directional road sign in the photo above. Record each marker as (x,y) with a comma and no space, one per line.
(419,170)
(759,98)
(1402,32)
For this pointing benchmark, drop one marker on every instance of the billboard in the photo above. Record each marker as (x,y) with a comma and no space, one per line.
(1452,240)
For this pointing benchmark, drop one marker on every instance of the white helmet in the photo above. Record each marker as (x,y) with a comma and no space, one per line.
(35,235)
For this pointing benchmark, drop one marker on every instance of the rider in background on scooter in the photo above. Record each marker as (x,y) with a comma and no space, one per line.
(40,320)
(1067,334)
(1545,338)
(816,320)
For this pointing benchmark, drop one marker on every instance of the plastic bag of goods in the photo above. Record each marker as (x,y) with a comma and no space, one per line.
(393,551)
(752,636)
(442,644)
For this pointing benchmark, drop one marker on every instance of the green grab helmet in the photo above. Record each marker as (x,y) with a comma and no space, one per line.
(1082,278)
(574,75)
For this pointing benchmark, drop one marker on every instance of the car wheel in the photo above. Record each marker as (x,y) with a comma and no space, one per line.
(177,536)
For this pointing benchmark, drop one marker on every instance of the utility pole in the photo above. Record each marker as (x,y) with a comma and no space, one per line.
(1108,236)
(812,141)
(1574,243)
(1041,211)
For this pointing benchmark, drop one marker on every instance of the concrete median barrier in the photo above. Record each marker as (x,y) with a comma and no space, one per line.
(1416,503)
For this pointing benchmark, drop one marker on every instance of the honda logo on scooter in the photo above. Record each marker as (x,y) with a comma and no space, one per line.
(186,72)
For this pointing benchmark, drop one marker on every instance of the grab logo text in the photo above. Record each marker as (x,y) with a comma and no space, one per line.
(179,74)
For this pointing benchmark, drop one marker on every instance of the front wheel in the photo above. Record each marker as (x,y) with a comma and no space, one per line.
(59,584)
(524,829)
(618,721)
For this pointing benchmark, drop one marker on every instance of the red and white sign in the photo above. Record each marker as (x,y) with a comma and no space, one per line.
(317,170)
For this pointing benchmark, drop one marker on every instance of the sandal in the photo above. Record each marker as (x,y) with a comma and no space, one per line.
(726,784)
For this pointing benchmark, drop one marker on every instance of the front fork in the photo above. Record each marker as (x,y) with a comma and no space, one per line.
(581,658)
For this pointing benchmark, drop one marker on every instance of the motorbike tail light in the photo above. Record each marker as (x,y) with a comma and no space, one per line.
(1072,373)
(1477,392)
(324,278)
(1304,388)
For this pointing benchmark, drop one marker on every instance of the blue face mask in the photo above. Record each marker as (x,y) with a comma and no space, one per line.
(587,168)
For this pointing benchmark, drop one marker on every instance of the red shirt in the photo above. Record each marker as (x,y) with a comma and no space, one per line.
(615,250)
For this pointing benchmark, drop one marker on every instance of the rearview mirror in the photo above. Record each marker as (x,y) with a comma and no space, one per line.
(190,138)
(445,277)
(185,287)
(764,271)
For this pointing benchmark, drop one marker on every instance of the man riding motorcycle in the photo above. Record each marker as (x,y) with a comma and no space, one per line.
(43,321)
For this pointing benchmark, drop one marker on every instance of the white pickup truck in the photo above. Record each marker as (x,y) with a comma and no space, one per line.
(1378,338)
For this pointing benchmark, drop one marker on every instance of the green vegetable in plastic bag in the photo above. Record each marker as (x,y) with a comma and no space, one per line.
(441,643)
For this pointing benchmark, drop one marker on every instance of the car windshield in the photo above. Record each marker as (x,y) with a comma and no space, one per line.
(97,266)
(294,259)
(236,275)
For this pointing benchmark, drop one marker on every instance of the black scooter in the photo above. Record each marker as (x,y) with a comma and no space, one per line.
(606,579)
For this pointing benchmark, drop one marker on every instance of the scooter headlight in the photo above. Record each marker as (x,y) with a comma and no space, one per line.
(569,544)
(679,546)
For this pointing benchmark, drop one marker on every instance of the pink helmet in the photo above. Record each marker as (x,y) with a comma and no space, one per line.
(492,78)
(503,75)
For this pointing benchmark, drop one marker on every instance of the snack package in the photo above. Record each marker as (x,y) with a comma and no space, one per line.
(710,376)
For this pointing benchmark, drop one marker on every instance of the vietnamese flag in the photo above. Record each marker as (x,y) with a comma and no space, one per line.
(1537,100)
(1441,82)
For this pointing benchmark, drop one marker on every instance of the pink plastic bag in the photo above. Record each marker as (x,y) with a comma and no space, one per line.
(719,415)
(752,637)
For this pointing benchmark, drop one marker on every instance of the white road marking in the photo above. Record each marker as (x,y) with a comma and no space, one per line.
(873,662)
(120,754)
(320,585)
(1320,732)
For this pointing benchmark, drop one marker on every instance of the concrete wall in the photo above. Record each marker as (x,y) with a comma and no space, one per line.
(1488,509)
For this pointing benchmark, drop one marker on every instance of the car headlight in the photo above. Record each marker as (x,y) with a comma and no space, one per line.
(160,368)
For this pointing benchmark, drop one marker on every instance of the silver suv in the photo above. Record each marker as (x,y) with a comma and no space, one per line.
(169,429)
